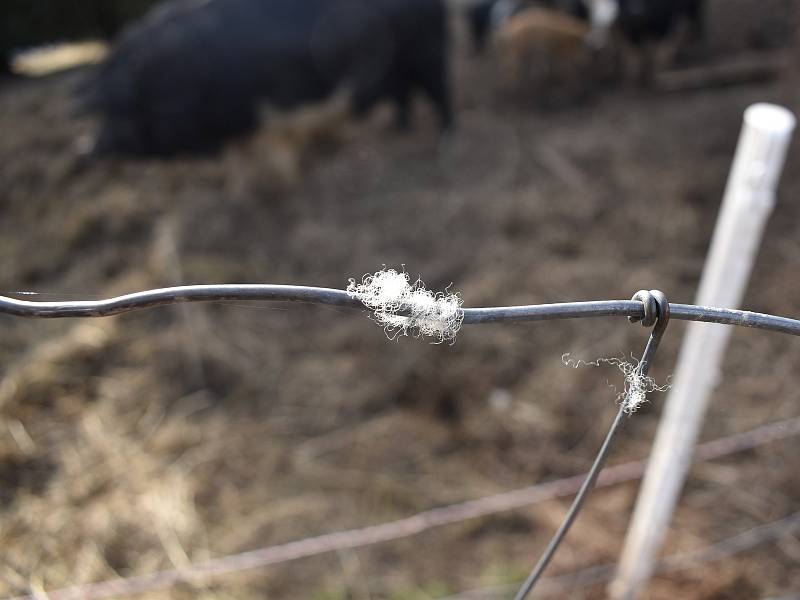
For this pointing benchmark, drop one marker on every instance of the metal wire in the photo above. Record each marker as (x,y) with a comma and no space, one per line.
(574,510)
(656,311)
(330,296)
(176,295)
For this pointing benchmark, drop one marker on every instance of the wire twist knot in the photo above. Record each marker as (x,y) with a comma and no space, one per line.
(655,305)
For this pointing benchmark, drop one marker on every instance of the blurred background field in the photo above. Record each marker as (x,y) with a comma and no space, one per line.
(156,439)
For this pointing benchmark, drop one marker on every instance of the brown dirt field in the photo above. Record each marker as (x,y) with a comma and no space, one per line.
(159,438)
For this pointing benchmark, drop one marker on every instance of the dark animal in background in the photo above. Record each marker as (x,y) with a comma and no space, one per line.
(642,21)
(657,31)
(194,73)
(639,20)
(652,32)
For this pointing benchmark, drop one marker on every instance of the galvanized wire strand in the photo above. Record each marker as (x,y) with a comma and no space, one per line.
(334,297)
(176,295)
(407,526)
(574,510)
(656,312)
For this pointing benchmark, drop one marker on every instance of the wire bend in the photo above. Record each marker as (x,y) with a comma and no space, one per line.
(655,305)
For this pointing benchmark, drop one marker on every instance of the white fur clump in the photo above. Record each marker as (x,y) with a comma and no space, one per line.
(425,313)
(637,386)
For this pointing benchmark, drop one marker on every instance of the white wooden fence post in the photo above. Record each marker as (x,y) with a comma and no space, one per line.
(748,201)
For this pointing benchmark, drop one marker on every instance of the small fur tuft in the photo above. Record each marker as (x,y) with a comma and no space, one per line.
(424,313)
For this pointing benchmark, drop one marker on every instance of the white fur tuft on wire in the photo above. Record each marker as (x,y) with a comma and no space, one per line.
(405,308)
(637,386)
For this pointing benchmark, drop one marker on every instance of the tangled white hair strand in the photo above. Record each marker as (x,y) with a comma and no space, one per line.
(405,308)
(636,386)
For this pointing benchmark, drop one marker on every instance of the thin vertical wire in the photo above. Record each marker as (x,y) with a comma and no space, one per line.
(575,509)
(651,300)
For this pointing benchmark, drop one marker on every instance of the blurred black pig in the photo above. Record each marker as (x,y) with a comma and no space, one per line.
(193,73)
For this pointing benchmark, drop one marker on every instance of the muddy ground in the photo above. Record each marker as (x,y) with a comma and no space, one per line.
(155,439)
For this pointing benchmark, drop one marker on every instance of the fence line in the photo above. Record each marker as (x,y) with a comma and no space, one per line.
(398,303)
(408,526)
(335,297)
(736,544)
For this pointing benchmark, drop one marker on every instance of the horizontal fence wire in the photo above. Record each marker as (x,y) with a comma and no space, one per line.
(408,526)
(334,297)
